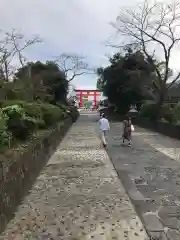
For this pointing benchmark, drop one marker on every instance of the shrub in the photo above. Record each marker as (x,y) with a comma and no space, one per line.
(73,113)
(5,137)
(167,113)
(40,124)
(7,103)
(21,128)
(33,110)
(5,140)
(23,118)
(18,119)
(65,108)
(176,112)
(149,110)
(3,120)
(51,114)
(152,110)
(18,123)
(45,114)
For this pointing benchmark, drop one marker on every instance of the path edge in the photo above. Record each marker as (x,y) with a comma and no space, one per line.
(20,175)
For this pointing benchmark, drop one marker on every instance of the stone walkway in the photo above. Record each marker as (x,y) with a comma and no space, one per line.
(150,173)
(78,195)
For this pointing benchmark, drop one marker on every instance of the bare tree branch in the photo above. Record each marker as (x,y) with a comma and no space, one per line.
(13,44)
(174,80)
(20,44)
(151,28)
(7,53)
(72,65)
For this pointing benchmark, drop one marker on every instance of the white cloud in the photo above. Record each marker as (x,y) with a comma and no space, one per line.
(79,26)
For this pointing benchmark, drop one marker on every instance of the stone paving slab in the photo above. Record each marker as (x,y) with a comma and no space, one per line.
(78,195)
(150,173)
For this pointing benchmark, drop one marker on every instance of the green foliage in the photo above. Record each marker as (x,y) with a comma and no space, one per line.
(40,124)
(6,103)
(13,111)
(167,113)
(100,81)
(18,123)
(48,82)
(5,136)
(40,111)
(124,79)
(149,110)
(5,140)
(51,114)
(21,128)
(33,110)
(3,119)
(176,112)
(36,81)
(23,118)
(20,90)
(32,101)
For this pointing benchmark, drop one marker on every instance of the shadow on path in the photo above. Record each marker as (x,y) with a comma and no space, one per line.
(151,178)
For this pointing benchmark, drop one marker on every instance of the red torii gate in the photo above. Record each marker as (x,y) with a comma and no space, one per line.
(86,93)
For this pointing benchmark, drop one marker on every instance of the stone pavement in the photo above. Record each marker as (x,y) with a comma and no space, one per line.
(150,173)
(78,195)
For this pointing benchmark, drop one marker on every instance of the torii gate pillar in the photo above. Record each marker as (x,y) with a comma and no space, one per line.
(83,93)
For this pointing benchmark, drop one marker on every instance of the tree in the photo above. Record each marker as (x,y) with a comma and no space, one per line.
(56,82)
(72,65)
(124,79)
(100,81)
(12,46)
(20,43)
(48,82)
(7,53)
(153,28)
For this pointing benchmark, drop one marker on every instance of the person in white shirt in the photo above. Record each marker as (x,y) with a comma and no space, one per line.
(104,127)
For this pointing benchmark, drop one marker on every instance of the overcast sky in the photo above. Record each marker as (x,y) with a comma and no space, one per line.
(78,26)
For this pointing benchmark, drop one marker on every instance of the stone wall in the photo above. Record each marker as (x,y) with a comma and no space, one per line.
(19,169)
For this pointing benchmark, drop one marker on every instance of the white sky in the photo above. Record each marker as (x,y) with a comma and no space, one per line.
(78,26)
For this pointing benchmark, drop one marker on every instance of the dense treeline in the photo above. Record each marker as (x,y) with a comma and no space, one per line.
(126,80)
(149,34)
(33,96)
(130,79)
(35,99)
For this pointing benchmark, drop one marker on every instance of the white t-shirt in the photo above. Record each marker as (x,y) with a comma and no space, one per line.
(104,124)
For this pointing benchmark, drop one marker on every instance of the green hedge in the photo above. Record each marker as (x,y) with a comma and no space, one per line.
(5,136)
(168,113)
(47,112)
(18,123)
(151,110)
(176,113)
(19,119)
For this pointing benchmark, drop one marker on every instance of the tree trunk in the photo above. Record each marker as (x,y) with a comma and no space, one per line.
(6,71)
(160,102)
